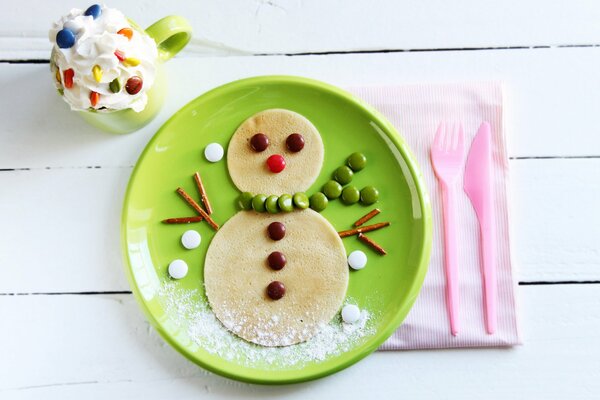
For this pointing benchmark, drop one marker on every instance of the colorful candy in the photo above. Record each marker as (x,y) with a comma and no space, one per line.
(301,200)
(131,62)
(120,55)
(94,98)
(318,202)
(65,38)
(276,163)
(57,74)
(127,32)
(332,189)
(295,142)
(369,195)
(258,203)
(68,75)
(271,204)
(276,260)
(276,230)
(94,11)
(245,201)
(356,161)
(276,290)
(350,195)
(259,142)
(285,203)
(343,175)
(115,85)
(97,73)
(134,85)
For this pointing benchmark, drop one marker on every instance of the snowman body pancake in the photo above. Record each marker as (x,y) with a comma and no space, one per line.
(237,271)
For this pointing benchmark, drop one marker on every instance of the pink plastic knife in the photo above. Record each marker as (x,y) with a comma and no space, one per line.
(478,186)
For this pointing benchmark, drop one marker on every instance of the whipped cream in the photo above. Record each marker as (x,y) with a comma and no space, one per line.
(96,41)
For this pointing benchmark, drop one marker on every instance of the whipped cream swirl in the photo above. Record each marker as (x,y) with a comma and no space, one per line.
(96,42)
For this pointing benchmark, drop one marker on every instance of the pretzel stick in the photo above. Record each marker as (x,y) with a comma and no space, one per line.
(367,217)
(363,229)
(203,195)
(196,207)
(372,243)
(183,220)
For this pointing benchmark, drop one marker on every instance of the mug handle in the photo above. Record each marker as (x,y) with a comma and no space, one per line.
(171,34)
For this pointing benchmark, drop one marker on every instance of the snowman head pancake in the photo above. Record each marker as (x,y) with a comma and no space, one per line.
(268,141)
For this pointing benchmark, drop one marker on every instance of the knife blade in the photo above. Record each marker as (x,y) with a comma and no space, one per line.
(479,189)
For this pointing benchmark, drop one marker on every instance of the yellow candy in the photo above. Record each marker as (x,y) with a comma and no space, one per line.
(58,75)
(131,62)
(97,72)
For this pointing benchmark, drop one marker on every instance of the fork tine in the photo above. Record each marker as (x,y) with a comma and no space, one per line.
(449,137)
(461,138)
(439,135)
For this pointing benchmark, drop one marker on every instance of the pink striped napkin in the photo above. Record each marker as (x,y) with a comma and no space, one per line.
(416,110)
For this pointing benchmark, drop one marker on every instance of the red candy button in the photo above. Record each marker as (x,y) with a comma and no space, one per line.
(68,78)
(276,163)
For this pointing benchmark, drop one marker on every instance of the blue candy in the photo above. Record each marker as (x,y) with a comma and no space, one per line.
(94,11)
(65,38)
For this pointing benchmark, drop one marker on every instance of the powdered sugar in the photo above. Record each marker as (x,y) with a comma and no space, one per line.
(189,313)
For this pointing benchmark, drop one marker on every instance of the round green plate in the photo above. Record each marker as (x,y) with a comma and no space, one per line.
(387,287)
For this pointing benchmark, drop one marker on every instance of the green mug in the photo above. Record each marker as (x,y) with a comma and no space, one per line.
(171,34)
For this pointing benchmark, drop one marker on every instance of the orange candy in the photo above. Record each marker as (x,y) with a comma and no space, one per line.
(128,33)
(68,78)
(94,97)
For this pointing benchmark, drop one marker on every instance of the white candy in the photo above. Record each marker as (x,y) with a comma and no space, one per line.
(357,259)
(350,313)
(178,269)
(214,152)
(191,239)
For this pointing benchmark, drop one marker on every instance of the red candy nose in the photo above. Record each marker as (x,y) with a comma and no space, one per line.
(276,163)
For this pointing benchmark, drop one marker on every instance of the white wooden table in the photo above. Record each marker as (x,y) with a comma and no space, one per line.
(70,326)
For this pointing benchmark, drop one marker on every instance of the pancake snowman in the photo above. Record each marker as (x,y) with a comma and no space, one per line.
(275,278)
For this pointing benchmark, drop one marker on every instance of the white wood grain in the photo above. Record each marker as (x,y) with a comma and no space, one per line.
(292,26)
(549,112)
(63,224)
(74,347)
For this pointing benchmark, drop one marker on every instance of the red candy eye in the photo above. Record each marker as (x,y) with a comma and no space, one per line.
(295,142)
(259,142)
(276,163)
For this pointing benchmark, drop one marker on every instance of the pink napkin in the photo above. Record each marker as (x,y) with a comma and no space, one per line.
(416,110)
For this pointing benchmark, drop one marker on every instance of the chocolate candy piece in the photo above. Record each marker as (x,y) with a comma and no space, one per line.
(258,202)
(244,201)
(259,142)
(276,260)
(134,85)
(65,38)
(276,163)
(271,204)
(343,175)
(115,85)
(276,230)
(94,11)
(295,142)
(285,203)
(332,190)
(318,202)
(301,200)
(275,290)
(350,195)
(357,161)
(369,195)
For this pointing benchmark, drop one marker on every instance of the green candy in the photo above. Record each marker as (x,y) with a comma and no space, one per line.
(343,175)
(350,195)
(285,203)
(318,202)
(332,190)
(244,201)
(271,204)
(258,202)
(61,91)
(115,85)
(369,195)
(301,200)
(356,161)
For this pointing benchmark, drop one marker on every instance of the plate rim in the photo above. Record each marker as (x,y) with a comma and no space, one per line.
(426,224)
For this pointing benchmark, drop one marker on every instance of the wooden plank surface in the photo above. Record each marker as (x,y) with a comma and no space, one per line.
(64,225)
(296,26)
(74,347)
(549,113)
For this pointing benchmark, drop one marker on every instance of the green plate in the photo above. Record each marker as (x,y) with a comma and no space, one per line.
(387,287)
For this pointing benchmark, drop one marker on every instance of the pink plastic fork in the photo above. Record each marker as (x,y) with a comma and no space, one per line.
(448,158)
